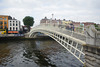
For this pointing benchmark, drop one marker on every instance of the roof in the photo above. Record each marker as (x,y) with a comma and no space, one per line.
(3,15)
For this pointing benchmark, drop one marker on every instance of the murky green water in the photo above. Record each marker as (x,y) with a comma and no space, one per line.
(35,53)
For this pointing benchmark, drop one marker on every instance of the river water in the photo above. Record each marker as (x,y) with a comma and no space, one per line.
(35,53)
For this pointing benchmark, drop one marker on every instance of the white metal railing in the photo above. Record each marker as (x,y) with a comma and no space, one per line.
(77,29)
(75,48)
(73,45)
(69,42)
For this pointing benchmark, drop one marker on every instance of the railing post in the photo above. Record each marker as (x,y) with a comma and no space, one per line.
(92,47)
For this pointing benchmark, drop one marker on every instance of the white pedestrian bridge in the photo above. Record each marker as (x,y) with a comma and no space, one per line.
(73,41)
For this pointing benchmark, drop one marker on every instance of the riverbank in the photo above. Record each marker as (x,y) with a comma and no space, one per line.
(23,38)
(35,53)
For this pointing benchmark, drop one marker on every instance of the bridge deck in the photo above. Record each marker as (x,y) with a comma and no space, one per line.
(72,41)
(76,35)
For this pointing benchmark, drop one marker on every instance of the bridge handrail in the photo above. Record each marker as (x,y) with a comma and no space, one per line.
(77,29)
(70,37)
(63,38)
(73,33)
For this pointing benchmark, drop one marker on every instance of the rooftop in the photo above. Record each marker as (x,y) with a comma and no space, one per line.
(3,15)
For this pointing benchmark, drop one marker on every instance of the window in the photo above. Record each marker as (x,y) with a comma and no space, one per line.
(1,27)
(5,22)
(5,27)
(5,18)
(13,24)
(16,28)
(16,24)
(13,28)
(1,22)
(10,28)
(10,24)
(1,18)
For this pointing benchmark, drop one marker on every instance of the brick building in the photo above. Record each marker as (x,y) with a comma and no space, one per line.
(52,21)
(65,22)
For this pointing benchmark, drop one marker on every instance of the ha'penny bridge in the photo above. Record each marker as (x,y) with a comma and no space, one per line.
(82,44)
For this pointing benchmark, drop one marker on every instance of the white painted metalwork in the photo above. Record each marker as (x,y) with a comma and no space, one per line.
(73,45)
(70,48)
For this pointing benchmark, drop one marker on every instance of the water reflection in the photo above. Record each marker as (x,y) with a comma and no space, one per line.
(35,53)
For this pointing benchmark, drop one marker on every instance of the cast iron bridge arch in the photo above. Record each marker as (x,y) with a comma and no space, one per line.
(72,41)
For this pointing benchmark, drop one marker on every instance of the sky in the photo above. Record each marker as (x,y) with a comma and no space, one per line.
(76,10)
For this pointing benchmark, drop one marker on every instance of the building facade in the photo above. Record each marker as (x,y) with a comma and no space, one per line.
(13,26)
(50,21)
(66,23)
(3,24)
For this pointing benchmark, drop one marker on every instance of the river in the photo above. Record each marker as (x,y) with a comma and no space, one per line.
(35,53)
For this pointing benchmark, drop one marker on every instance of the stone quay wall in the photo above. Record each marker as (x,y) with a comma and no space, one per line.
(92,56)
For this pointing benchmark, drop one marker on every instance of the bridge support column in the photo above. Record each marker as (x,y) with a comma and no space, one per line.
(92,48)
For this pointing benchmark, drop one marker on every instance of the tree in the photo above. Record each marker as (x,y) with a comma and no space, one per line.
(28,21)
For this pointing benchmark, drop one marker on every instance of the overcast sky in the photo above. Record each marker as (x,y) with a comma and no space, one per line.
(76,10)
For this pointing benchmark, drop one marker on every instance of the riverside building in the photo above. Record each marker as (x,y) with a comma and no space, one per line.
(4,23)
(13,26)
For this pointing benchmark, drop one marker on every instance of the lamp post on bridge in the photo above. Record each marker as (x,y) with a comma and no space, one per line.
(51,19)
